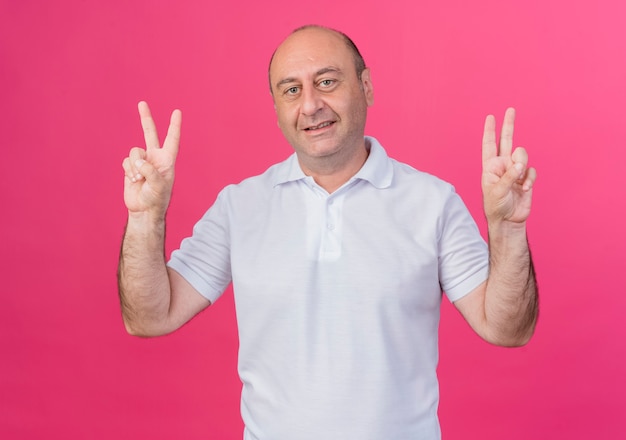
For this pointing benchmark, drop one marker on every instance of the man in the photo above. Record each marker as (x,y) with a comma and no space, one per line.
(338,257)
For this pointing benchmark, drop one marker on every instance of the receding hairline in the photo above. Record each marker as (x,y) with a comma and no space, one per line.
(359,62)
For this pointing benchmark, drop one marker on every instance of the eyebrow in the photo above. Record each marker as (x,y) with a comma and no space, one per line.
(322,71)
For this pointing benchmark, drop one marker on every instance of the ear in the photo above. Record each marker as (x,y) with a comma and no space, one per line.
(367,86)
(273,100)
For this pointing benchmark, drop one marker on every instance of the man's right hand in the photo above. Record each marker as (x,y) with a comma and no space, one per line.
(150,171)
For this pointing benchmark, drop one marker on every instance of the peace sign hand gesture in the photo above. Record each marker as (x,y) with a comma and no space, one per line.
(506,180)
(150,171)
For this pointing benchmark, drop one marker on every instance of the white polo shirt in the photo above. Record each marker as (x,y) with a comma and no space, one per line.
(337,295)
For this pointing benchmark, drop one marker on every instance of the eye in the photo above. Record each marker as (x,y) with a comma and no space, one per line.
(292,90)
(326,83)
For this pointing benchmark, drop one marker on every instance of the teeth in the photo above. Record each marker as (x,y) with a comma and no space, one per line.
(322,125)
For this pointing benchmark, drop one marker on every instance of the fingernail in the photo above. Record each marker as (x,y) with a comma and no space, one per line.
(139,163)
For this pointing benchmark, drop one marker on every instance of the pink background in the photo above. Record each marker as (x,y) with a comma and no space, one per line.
(71,74)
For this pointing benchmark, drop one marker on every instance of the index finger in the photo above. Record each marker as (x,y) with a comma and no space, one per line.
(149,128)
(490,148)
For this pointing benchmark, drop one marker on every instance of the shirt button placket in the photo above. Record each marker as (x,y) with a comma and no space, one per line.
(331,242)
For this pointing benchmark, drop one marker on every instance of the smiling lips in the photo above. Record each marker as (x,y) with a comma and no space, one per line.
(320,126)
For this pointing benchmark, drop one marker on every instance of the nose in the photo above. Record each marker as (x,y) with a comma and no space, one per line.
(312,101)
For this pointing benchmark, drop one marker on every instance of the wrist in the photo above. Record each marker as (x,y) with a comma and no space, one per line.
(145,220)
(507,233)
(506,226)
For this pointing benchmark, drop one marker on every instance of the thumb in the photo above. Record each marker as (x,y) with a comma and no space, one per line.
(148,172)
(513,174)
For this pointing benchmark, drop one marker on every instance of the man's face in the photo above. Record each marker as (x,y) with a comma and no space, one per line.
(320,102)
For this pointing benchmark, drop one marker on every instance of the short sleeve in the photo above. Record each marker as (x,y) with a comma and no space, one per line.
(204,258)
(463,253)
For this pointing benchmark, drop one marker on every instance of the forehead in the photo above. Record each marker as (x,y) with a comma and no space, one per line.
(309,50)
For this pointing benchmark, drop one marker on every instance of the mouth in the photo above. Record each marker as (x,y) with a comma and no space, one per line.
(319,126)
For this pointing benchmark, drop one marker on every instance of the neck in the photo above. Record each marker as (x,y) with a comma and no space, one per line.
(332,172)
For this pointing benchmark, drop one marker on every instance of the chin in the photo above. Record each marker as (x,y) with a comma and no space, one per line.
(320,149)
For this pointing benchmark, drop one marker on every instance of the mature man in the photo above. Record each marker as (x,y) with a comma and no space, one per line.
(338,257)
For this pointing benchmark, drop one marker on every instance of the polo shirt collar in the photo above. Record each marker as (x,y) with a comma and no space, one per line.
(289,171)
(376,170)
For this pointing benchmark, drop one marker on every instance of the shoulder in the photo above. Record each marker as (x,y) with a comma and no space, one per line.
(387,172)
(407,174)
(261,183)
(424,190)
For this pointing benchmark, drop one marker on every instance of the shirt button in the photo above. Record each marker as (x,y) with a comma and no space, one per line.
(331,226)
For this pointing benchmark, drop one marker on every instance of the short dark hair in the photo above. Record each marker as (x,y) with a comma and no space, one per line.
(359,62)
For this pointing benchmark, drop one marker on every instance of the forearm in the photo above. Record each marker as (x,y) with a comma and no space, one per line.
(143,280)
(511,297)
